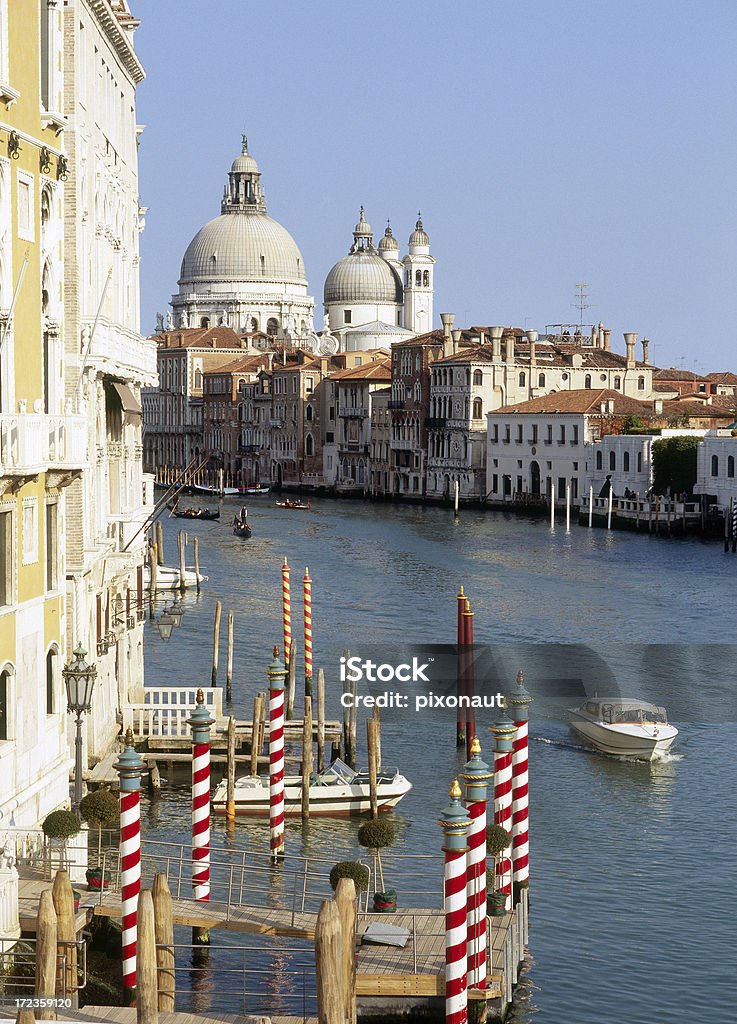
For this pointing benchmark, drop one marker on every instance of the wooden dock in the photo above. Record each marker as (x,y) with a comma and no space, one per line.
(127,1015)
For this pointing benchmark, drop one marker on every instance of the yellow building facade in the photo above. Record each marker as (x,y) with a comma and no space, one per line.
(43,446)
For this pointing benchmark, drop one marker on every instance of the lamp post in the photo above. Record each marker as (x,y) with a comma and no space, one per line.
(79,680)
(165,624)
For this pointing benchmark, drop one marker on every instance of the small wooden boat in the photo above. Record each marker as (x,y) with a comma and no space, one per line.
(303,506)
(254,489)
(206,489)
(336,792)
(194,513)
(241,529)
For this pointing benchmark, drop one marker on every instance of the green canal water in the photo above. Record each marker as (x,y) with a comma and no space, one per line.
(632,906)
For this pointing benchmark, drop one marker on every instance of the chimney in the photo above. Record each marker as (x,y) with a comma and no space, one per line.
(630,341)
(496,344)
(607,339)
(600,336)
(658,406)
(456,335)
(447,319)
(646,351)
(482,338)
(509,348)
(532,338)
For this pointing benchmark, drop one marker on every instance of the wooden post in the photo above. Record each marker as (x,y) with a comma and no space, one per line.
(46,942)
(328,962)
(63,900)
(160,541)
(345,899)
(306,758)
(147,998)
(152,567)
(181,541)
(371,744)
(291,682)
(154,780)
(196,544)
(552,505)
(591,507)
(610,506)
(25,1017)
(256,732)
(650,514)
(568,506)
(216,643)
(637,512)
(353,724)
(229,669)
(377,719)
(657,515)
(230,795)
(456,497)
(320,720)
(164,931)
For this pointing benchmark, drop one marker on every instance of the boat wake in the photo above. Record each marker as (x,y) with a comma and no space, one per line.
(659,759)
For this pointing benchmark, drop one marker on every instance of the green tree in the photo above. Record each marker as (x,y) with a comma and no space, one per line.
(674,464)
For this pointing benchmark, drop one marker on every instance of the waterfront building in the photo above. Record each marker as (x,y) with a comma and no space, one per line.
(716,461)
(354,388)
(381,433)
(547,441)
(243,269)
(43,440)
(254,418)
(173,425)
(222,407)
(107,361)
(372,298)
(626,460)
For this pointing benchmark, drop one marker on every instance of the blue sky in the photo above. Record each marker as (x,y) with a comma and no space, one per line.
(546,142)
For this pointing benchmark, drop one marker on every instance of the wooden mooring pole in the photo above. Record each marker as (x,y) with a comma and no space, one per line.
(46,944)
(229,668)
(371,744)
(320,720)
(230,794)
(306,758)
(152,567)
(345,898)
(63,900)
(216,643)
(164,931)
(291,682)
(258,703)
(328,965)
(160,541)
(147,996)
(182,545)
(196,545)
(377,718)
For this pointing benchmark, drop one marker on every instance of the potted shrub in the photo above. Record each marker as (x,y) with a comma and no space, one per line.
(99,808)
(378,835)
(497,841)
(58,827)
(350,869)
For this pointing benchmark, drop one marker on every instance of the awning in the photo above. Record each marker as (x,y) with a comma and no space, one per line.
(131,405)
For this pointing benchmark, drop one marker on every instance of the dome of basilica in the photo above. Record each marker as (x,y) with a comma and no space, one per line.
(243,246)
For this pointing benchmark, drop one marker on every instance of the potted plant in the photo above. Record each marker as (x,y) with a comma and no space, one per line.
(350,869)
(58,827)
(378,835)
(497,841)
(99,808)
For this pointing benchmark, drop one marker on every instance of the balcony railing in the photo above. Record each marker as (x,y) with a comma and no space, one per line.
(248,449)
(436,422)
(353,411)
(31,443)
(396,403)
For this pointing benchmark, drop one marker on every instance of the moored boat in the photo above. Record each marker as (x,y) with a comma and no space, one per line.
(254,489)
(207,489)
(336,792)
(167,578)
(624,727)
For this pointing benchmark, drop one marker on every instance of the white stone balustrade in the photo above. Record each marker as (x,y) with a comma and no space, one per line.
(9,919)
(31,443)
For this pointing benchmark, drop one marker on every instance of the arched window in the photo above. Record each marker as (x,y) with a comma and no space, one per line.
(468,376)
(198,380)
(309,445)
(612,460)
(617,383)
(45,206)
(272,326)
(541,380)
(4,705)
(522,379)
(478,408)
(51,682)
(478,377)
(426,278)
(626,461)
(730,465)
(599,462)
(587,381)
(418,278)
(254,323)
(204,321)
(715,465)
(639,462)
(308,412)
(640,383)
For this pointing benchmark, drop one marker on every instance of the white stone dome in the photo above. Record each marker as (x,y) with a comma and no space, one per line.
(246,246)
(362,277)
(419,236)
(387,242)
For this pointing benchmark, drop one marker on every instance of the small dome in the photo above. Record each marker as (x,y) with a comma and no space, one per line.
(419,236)
(363,228)
(388,241)
(243,247)
(244,162)
(362,277)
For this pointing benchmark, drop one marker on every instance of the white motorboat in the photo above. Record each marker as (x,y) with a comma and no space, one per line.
(335,792)
(623,726)
(167,578)
(208,489)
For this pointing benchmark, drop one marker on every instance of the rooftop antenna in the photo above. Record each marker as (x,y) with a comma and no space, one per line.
(581,302)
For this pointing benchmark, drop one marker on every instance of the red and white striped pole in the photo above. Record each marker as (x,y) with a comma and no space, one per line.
(200,723)
(476,775)
(503,730)
(307,583)
(130,767)
(520,705)
(455,823)
(469,675)
(276,673)
(460,667)
(286,609)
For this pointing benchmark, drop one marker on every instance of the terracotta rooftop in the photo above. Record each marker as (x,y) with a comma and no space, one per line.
(723,378)
(584,400)
(380,369)
(698,410)
(199,337)
(249,364)
(546,354)
(671,373)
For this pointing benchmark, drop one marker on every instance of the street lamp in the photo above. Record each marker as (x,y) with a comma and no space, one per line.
(165,624)
(79,680)
(177,610)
